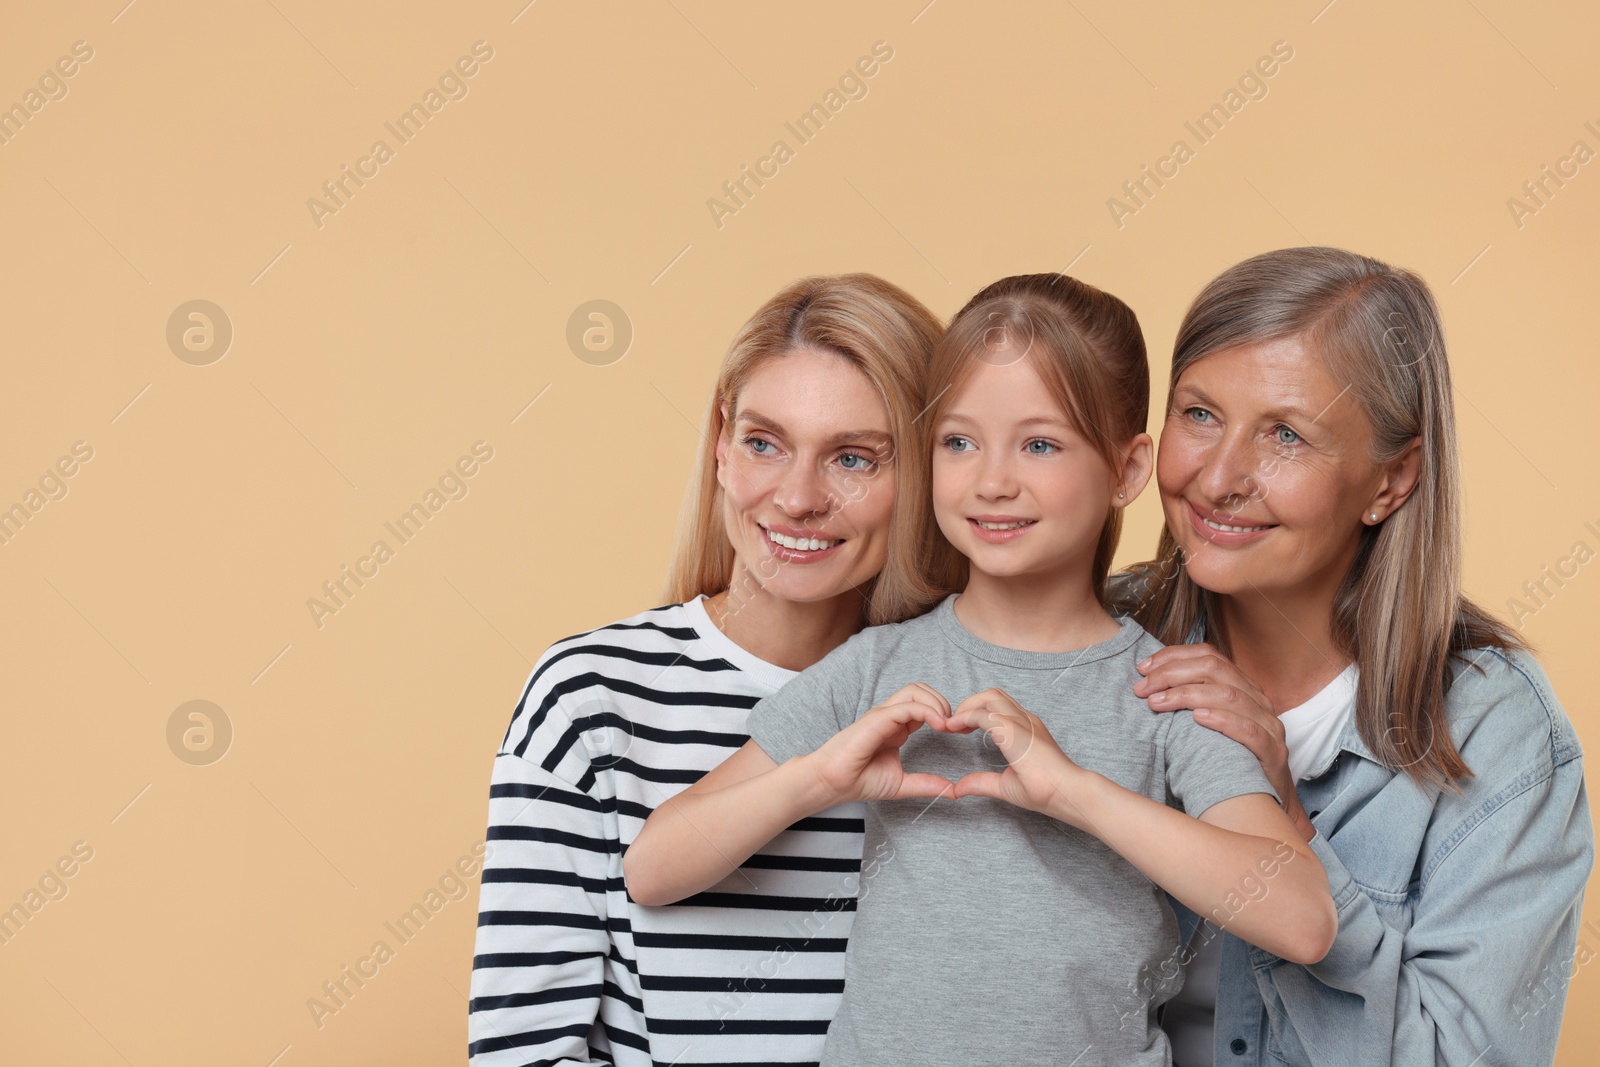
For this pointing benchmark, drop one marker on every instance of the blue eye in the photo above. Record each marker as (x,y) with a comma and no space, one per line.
(1286,436)
(949,442)
(1200,415)
(1047,444)
(867,461)
(751,442)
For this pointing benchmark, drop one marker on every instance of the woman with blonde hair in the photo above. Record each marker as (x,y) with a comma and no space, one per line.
(800,528)
(1309,476)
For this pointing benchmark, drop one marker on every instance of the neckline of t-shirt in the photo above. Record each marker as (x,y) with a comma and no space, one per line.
(1339,695)
(1316,729)
(950,625)
(712,637)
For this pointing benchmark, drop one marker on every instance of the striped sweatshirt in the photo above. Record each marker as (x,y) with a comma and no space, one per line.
(567,968)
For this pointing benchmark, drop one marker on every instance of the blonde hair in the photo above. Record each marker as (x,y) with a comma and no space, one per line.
(1089,351)
(1400,612)
(885,333)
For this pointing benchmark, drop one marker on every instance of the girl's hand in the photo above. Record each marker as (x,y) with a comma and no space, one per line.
(862,761)
(1224,699)
(1038,775)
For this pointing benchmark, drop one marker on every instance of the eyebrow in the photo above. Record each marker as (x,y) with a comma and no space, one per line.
(1200,396)
(874,438)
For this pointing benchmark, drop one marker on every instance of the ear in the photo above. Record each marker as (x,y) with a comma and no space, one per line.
(1138,460)
(722,441)
(1399,479)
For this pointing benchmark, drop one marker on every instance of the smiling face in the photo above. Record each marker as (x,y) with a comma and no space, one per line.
(1266,473)
(808,457)
(1016,489)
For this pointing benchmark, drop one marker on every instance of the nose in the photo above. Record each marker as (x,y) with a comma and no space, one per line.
(997,479)
(1228,470)
(802,491)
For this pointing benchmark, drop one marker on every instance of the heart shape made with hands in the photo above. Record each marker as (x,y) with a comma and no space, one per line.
(872,758)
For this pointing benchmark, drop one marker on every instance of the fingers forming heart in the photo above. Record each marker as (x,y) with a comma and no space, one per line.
(1007,726)
(1011,729)
(882,732)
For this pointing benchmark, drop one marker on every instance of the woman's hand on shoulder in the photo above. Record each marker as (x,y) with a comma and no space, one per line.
(1226,700)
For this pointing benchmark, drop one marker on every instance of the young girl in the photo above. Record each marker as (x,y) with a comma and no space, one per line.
(1024,924)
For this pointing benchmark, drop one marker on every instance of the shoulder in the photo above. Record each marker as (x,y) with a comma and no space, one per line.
(1505,718)
(1145,644)
(666,623)
(850,674)
(874,643)
(626,647)
(569,686)
(1524,758)
(917,628)
(1135,645)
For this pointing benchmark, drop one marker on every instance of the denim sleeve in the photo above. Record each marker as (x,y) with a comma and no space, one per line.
(1480,975)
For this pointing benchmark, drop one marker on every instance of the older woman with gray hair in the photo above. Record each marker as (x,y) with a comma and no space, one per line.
(1308,585)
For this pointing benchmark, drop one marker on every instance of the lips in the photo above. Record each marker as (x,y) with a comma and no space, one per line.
(982,529)
(804,548)
(1226,528)
(1003,526)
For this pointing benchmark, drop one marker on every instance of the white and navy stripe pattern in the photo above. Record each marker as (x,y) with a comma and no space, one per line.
(568,970)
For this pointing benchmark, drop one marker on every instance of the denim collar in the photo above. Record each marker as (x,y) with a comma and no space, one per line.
(1349,741)
(1350,737)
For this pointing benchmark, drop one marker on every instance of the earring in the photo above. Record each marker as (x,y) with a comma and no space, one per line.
(1374,516)
(1119,494)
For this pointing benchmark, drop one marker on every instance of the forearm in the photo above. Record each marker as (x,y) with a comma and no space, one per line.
(697,838)
(1268,890)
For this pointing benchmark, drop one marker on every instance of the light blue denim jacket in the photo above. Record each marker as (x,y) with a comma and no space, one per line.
(1458,915)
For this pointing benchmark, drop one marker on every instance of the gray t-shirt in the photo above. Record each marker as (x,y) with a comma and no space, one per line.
(986,933)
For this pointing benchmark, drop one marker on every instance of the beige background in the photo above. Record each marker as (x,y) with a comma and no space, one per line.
(431,311)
